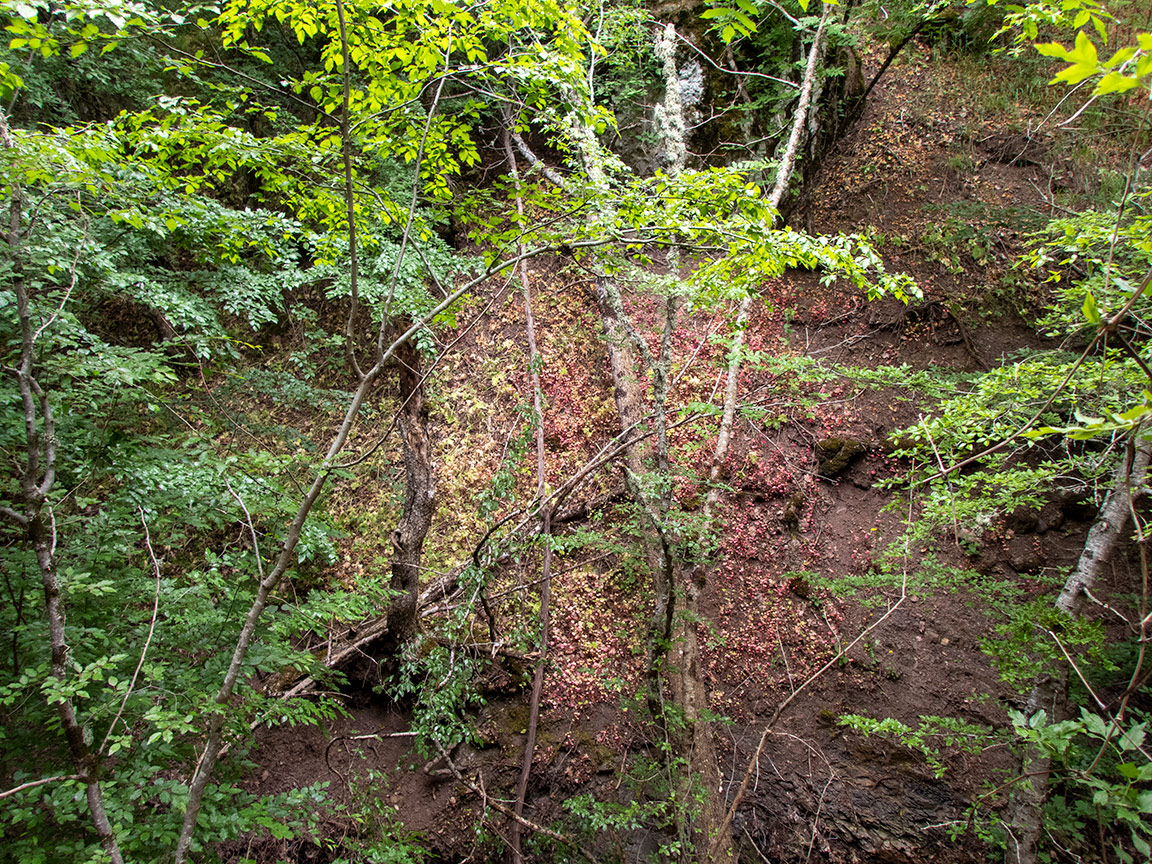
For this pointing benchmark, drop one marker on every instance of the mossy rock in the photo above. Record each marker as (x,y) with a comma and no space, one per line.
(834,455)
(515,720)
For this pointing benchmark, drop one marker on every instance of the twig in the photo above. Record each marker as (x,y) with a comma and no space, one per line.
(67,293)
(147,640)
(251,528)
(763,857)
(1108,607)
(32,784)
(816,818)
(753,764)
(787,668)
(783,705)
(736,72)
(951,495)
(508,811)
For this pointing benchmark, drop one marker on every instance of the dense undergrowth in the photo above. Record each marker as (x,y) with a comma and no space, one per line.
(384,354)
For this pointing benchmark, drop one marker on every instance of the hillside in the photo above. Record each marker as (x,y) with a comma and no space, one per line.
(544,432)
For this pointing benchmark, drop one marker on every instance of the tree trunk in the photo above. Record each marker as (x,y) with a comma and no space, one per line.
(1026,811)
(545,518)
(628,394)
(419,497)
(37,476)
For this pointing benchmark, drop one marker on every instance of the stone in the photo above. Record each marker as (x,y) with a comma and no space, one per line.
(834,455)
(1026,561)
(1051,518)
(1022,520)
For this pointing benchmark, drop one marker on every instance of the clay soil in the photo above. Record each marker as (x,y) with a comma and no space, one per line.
(773,614)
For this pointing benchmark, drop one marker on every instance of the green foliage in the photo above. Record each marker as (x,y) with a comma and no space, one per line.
(441,678)
(1026,21)
(1023,646)
(998,406)
(1095,260)
(177,179)
(1106,768)
(734,20)
(890,572)
(929,737)
(376,836)
(628,71)
(657,800)
(165,241)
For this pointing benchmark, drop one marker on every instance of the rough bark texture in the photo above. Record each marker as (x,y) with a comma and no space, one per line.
(628,393)
(419,497)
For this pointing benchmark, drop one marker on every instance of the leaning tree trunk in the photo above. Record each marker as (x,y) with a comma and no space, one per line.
(419,497)
(1026,812)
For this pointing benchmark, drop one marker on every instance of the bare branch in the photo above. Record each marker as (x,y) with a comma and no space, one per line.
(34,783)
(147,640)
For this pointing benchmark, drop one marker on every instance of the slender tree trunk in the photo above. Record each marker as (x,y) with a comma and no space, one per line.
(1026,812)
(628,394)
(419,497)
(545,517)
(37,477)
(717,845)
(85,761)
(862,102)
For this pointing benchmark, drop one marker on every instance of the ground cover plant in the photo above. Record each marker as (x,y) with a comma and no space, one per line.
(516,431)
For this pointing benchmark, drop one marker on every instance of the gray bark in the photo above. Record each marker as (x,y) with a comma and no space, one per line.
(37,477)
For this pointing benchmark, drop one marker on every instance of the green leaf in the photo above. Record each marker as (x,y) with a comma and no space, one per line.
(78,49)
(1094,723)
(1084,52)
(1091,312)
(1141,844)
(1099,25)
(1075,74)
(1114,82)
(1133,738)
(1122,56)
(748,24)
(1053,49)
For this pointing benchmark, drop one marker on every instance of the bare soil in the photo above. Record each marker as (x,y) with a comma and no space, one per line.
(820,793)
